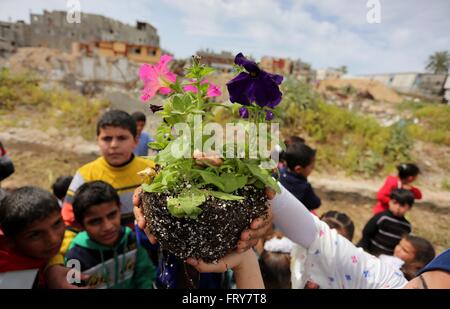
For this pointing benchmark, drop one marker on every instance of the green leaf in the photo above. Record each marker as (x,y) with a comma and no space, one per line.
(178,104)
(157,145)
(186,204)
(233,182)
(225,196)
(227,183)
(264,176)
(169,177)
(165,155)
(153,187)
(211,178)
(206,71)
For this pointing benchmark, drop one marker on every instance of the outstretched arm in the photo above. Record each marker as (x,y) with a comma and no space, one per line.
(293,218)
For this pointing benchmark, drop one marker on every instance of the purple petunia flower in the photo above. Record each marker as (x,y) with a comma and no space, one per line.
(243,112)
(255,86)
(269,115)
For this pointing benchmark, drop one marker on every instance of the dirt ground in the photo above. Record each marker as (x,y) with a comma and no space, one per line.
(427,221)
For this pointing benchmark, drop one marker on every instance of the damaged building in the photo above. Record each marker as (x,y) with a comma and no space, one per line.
(52,30)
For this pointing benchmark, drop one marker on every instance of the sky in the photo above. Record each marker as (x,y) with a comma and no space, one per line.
(324,33)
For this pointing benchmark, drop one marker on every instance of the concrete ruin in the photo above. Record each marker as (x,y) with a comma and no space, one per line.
(52,30)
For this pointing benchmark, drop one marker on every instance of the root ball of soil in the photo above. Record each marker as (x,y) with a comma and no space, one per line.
(215,232)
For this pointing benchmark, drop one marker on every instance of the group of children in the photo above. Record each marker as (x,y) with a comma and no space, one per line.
(89,224)
(386,235)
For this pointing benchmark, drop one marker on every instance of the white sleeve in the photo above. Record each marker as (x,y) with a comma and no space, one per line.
(333,262)
(292,218)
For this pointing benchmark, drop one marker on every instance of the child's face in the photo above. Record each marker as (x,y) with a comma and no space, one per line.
(102,223)
(306,171)
(410,180)
(140,126)
(116,144)
(42,238)
(405,251)
(399,210)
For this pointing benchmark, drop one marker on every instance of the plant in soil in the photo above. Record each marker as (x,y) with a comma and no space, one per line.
(208,187)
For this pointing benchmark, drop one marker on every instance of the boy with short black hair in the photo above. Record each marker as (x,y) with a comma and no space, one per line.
(30,219)
(105,244)
(118,166)
(383,232)
(143,137)
(300,161)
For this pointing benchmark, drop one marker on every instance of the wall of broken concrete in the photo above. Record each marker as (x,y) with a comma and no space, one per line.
(102,69)
(51,29)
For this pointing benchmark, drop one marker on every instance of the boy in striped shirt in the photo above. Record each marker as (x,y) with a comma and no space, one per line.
(384,231)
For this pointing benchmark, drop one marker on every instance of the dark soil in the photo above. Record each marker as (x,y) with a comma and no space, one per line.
(215,232)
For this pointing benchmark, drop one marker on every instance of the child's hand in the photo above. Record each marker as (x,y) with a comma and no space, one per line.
(139,215)
(231,261)
(244,265)
(259,228)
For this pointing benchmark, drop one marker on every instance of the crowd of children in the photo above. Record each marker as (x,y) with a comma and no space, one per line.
(89,223)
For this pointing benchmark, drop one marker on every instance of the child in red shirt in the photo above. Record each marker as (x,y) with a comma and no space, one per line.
(407,173)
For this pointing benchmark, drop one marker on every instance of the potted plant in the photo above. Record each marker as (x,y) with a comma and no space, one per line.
(206,189)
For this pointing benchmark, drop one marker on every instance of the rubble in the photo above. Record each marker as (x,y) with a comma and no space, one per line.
(344,88)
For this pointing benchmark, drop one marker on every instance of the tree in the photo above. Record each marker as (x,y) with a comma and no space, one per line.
(439,62)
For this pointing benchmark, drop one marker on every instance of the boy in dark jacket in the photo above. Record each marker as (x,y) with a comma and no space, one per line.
(107,251)
(300,161)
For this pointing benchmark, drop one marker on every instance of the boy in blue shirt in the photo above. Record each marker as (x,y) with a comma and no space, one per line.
(300,160)
(143,138)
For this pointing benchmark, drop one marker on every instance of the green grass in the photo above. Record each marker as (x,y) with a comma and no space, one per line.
(434,121)
(56,107)
(353,142)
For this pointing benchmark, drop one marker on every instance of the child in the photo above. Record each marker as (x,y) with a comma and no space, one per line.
(116,138)
(293,139)
(330,259)
(274,263)
(384,231)
(143,138)
(340,263)
(436,275)
(410,255)
(335,220)
(281,154)
(407,173)
(300,160)
(341,222)
(96,206)
(30,219)
(60,188)
(105,242)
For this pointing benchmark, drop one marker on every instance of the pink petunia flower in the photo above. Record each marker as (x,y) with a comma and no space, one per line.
(213,90)
(156,78)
